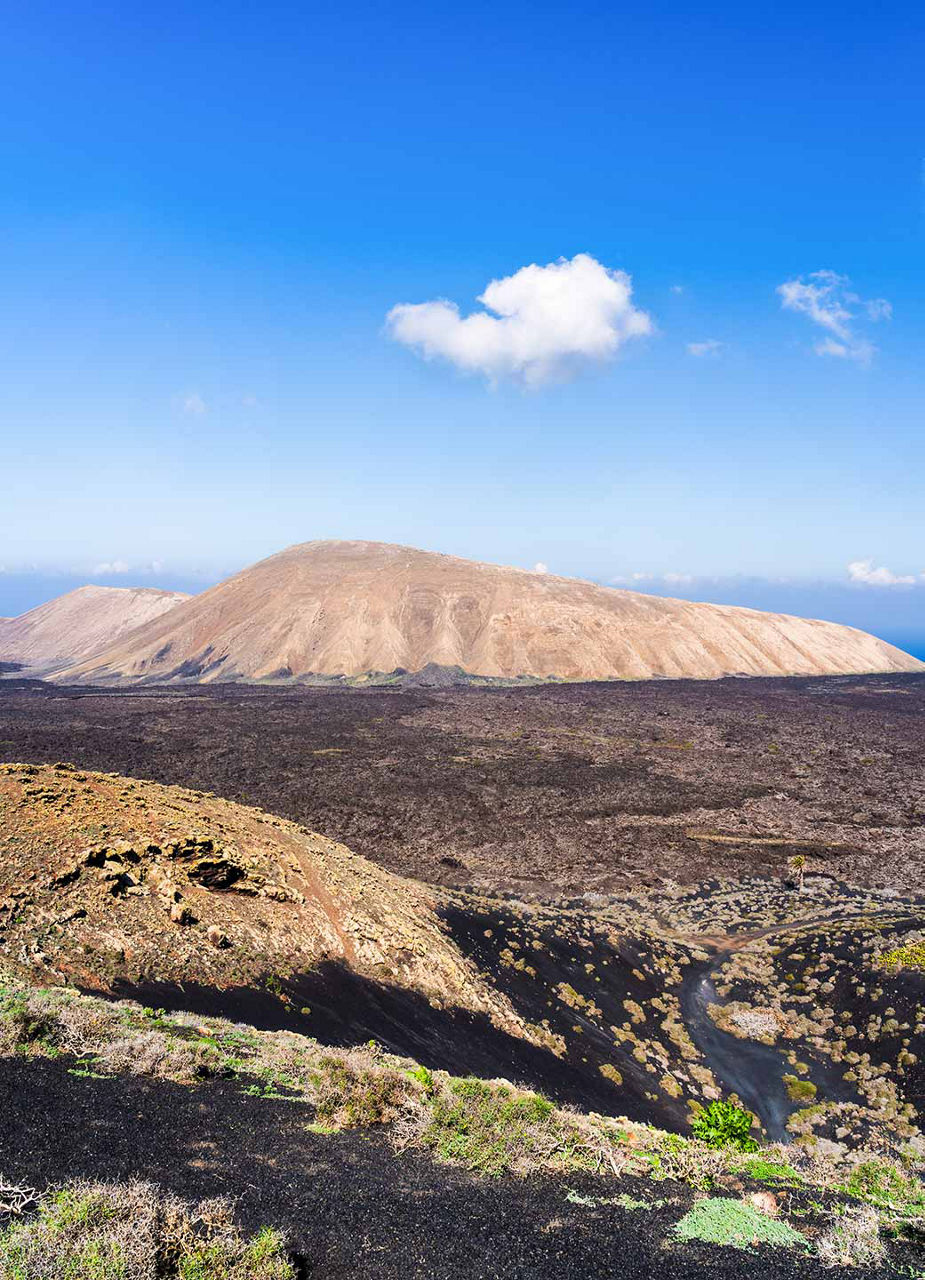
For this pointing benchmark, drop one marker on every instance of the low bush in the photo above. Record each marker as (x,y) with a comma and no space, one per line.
(853,1240)
(898,1198)
(25,1020)
(799,1090)
(723,1124)
(910,956)
(355,1090)
(492,1129)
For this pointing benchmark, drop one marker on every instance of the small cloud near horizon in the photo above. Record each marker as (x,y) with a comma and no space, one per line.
(709,347)
(547,323)
(540,567)
(118,568)
(827,299)
(194,403)
(670,578)
(871,575)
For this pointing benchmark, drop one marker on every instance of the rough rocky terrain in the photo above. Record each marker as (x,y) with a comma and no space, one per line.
(72,626)
(558,789)
(186,901)
(352,608)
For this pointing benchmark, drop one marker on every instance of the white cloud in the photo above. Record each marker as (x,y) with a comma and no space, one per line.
(194,403)
(865,572)
(677,288)
(826,298)
(879,309)
(110,567)
(671,579)
(548,320)
(709,347)
(539,567)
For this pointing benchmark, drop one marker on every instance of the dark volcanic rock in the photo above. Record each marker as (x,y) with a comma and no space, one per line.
(564,788)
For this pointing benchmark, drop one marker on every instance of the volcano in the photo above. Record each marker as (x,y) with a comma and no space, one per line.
(353,608)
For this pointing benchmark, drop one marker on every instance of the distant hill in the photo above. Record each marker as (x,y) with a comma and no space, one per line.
(349,608)
(72,626)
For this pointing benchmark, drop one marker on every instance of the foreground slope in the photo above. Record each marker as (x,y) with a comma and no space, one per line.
(348,608)
(184,901)
(799,1002)
(74,625)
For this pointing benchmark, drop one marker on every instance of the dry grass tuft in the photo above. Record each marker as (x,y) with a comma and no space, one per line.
(131,1231)
(853,1240)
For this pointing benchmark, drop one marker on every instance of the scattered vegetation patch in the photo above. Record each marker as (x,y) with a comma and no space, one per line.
(799,1090)
(720,1220)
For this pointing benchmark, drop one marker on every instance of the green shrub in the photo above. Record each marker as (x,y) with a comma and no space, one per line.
(424,1077)
(911,956)
(723,1124)
(491,1129)
(799,1090)
(355,1091)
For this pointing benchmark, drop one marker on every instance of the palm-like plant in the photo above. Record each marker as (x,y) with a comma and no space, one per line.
(797,864)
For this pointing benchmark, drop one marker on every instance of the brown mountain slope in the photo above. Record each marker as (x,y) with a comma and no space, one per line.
(353,607)
(115,871)
(72,626)
(188,901)
(182,900)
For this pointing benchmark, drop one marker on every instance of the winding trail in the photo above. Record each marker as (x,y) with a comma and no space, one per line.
(750,1068)
(747,1067)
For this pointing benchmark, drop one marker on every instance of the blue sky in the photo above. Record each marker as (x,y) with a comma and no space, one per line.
(209,211)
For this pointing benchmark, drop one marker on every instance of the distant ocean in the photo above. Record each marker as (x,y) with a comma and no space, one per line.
(914,644)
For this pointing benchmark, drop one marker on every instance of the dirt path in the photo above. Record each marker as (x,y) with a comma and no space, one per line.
(750,1068)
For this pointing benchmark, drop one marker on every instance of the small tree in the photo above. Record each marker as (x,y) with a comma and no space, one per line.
(797,864)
